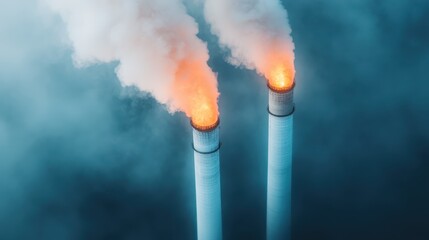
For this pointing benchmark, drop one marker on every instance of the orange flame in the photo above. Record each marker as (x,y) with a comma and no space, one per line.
(196,88)
(280,72)
(203,113)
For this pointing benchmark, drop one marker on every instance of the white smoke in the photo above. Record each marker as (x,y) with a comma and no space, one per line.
(256,32)
(149,38)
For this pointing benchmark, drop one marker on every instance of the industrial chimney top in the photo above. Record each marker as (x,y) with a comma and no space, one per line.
(208,128)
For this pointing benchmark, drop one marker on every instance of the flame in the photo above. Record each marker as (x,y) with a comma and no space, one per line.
(279,78)
(278,68)
(203,113)
(280,72)
(195,86)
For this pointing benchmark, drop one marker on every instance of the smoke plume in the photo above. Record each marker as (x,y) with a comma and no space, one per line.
(257,33)
(155,44)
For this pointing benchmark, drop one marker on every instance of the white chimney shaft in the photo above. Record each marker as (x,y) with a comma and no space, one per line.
(207,182)
(280,126)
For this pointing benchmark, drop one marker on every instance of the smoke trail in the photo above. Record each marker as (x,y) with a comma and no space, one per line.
(258,34)
(155,44)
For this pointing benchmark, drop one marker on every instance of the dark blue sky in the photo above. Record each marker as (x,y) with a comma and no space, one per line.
(83,158)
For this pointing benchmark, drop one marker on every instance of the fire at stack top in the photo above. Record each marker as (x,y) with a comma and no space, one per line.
(207,181)
(280,109)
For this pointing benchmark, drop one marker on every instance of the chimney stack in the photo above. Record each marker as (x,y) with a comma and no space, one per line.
(280,128)
(207,181)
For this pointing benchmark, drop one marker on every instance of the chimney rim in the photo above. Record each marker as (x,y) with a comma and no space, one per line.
(208,128)
(280,90)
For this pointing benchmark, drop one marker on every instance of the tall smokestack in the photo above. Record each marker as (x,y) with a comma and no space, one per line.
(280,128)
(157,49)
(257,34)
(207,181)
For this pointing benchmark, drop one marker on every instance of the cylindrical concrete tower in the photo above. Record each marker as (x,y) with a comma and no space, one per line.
(280,125)
(207,181)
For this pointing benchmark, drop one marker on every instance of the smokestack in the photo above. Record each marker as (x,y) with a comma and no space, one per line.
(207,181)
(157,49)
(280,127)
